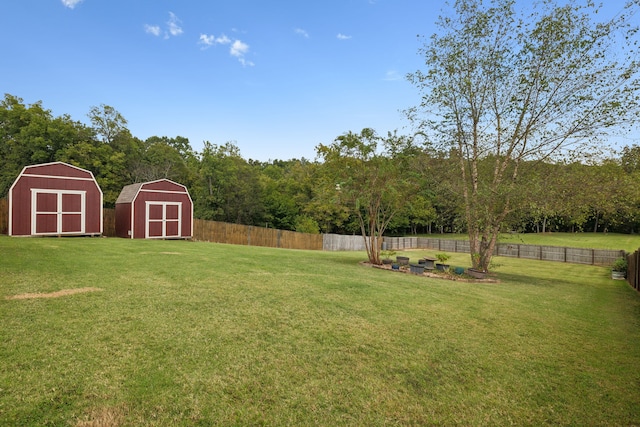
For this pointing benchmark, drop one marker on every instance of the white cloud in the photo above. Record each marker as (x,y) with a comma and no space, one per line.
(301,32)
(152,29)
(238,49)
(341,36)
(211,40)
(246,63)
(174,25)
(392,75)
(71,3)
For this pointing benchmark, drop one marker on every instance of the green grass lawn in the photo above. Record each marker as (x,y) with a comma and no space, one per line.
(189,333)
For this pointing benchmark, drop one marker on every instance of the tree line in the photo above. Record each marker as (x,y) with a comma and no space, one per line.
(359,178)
(510,94)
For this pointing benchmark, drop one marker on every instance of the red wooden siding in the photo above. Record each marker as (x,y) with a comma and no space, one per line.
(157,209)
(55,199)
(123,219)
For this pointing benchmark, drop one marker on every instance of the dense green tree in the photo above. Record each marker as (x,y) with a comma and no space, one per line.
(516,88)
(630,159)
(159,158)
(371,184)
(287,190)
(107,122)
(279,191)
(107,165)
(228,187)
(609,194)
(29,134)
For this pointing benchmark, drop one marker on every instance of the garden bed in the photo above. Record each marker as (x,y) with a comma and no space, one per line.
(434,274)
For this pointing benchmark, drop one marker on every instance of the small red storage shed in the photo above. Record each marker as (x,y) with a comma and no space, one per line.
(55,199)
(159,209)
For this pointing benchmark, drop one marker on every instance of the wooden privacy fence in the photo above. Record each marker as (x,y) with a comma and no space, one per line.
(237,234)
(543,253)
(109,222)
(633,270)
(4,216)
(222,232)
(339,242)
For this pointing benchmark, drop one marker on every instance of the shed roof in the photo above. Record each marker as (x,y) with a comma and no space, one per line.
(129,192)
(57,169)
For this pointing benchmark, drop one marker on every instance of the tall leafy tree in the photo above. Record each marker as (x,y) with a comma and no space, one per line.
(107,122)
(29,134)
(107,165)
(282,190)
(630,158)
(163,157)
(370,183)
(518,85)
(228,188)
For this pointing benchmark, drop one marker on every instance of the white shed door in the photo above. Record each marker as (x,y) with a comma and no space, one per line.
(57,211)
(163,220)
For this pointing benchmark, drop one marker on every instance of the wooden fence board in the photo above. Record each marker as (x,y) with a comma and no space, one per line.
(509,250)
(633,270)
(552,253)
(4,216)
(109,222)
(580,255)
(447,246)
(530,251)
(544,253)
(337,242)
(238,234)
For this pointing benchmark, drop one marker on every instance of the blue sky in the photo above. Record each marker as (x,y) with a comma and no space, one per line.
(275,77)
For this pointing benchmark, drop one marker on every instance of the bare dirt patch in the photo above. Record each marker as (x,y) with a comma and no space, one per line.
(57,294)
(103,417)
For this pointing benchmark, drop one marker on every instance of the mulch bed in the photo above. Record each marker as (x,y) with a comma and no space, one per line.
(443,275)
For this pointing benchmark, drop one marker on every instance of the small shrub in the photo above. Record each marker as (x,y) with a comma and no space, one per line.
(620,264)
(442,257)
(387,254)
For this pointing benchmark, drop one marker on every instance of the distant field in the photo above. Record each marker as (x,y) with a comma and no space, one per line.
(114,332)
(627,242)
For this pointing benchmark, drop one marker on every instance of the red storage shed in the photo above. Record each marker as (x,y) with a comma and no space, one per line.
(55,199)
(159,209)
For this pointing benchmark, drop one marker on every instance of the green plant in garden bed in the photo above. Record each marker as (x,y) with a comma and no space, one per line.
(620,265)
(387,254)
(443,257)
(186,333)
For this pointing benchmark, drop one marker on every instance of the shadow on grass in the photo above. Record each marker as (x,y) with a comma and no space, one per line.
(525,280)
